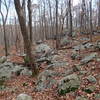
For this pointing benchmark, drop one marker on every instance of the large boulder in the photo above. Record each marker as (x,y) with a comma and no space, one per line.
(91,79)
(68,84)
(75,55)
(64,41)
(88,45)
(88,58)
(3,59)
(97,45)
(81,98)
(44,53)
(78,47)
(23,97)
(7,68)
(90,89)
(42,48)
(45,80)
(97,96)
(57,64)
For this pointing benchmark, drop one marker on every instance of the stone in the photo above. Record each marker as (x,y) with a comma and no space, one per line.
(45,80)
(97,96)
(23,97)
(26,72)
(7,69)
(82,72)
(97,45)
(74,34)
(88,45)
(68,84)
(64,41)
(76,68)
(57,64)
(41,48)
(3,59)
(91,79)
(81,98)
(75,56)
(90,89)
(39,42)
(78,47)
(88,58)
(85,39)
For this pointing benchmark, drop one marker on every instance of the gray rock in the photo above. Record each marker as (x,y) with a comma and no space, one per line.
(85,39)
(98,59)
(64,41)
(78,47)
(6,70)
(68,84)
(81,98)
(90,89)
(74,34)
(91,79)
(45,80)
(41,48)
(76,68)
(88,45)
(97,45)
(57,64)
(3,59)
(88,58)
(82,72)
(39,42)
(26,72)
(23,97)
(97,96)
(75,56)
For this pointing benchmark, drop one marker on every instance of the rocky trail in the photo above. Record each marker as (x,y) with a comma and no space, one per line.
(71,73)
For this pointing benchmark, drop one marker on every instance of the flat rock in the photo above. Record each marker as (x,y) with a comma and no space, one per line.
(7,69)
(89,58)
(3,59)
(24,97)
(91,79)
(81,98)
(68,84)
(45,80)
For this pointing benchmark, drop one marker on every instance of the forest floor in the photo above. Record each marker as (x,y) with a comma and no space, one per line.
(16,83)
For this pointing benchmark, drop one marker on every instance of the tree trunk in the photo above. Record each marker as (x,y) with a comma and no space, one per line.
(99,14)
(70,14)
(57,35)
(30,19)
(24,32)
(91,26)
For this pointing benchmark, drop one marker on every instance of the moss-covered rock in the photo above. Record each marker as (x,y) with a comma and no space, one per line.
(68,84)
(90,89)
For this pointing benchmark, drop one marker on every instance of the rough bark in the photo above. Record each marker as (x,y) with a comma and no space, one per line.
(24,32)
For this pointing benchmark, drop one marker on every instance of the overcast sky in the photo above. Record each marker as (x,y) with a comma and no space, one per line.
(13,13)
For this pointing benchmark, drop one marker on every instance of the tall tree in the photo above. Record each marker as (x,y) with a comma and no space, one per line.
(70,20)
(99,13)
(57,35)
(4,20)
(24,31)
(30,19)
(91,26)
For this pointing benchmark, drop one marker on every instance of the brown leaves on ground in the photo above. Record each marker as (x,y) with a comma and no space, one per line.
(24,84)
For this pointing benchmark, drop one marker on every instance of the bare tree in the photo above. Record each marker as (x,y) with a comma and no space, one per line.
(4,20)
(99,13)
(70,15)
(30,18)
(24,31)
(57,35)
(91,26)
